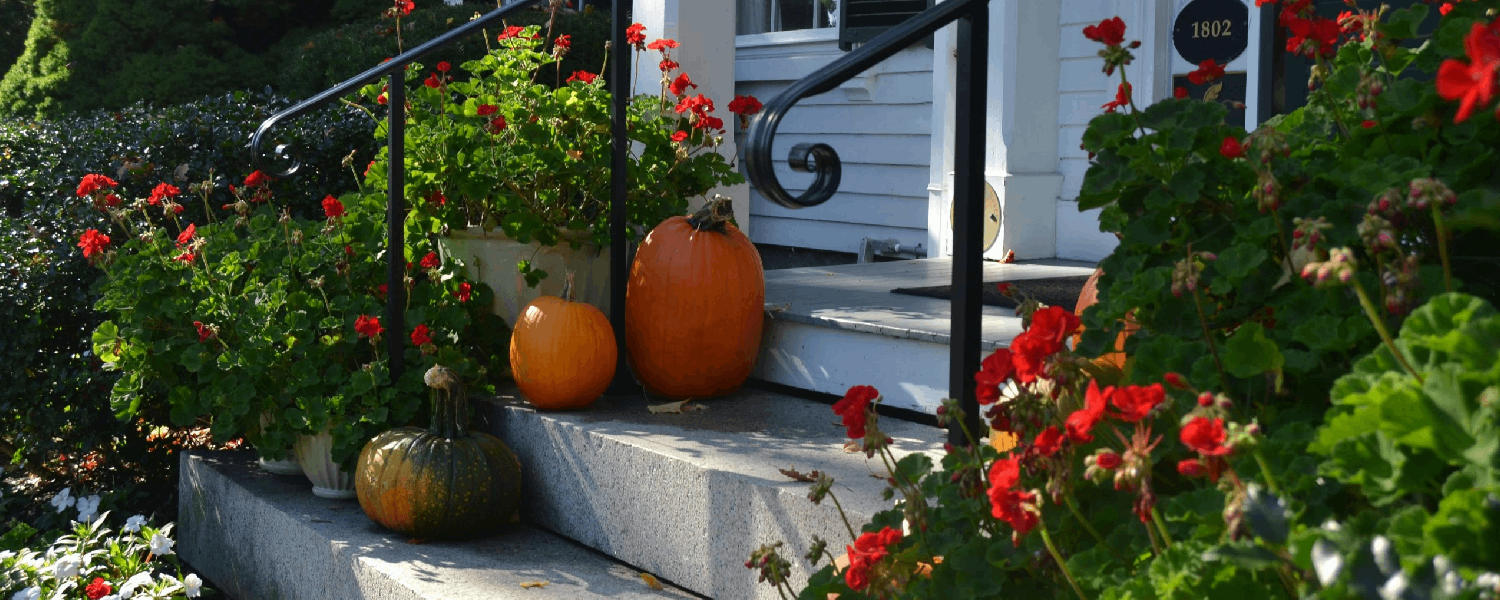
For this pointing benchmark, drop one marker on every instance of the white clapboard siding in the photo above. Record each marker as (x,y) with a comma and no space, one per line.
(880,123)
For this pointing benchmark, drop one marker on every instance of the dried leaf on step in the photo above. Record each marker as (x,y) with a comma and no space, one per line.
(416,541)
(853,446)
(778,307)
(652,582)
(1010,257)
(808,477)
(535,584)
(674,407)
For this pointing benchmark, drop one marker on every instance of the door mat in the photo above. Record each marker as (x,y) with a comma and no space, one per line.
(1052,291)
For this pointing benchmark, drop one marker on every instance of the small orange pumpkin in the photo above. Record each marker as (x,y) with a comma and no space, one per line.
(562,353)
(695,305)
(1089,297)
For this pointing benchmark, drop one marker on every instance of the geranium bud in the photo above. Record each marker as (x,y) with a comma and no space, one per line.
(1205,399)
(1191,467)
(1224,403)
(1135,44)
(947,448)
(1108,460)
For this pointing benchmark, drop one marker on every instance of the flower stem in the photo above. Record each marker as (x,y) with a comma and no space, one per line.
(1073,506)
(1208,338)
(1057,558)
(1162,525)
(1442,240)
(1265,471)
(843,516)
(1385,333)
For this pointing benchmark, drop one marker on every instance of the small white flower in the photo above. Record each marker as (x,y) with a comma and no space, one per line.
(31,593)
(88,508)
(127,590)
(133,524)
(194,585)
(111,597)
(67,566)
(62,501)
(1489,581)
(5,555)
(161,545)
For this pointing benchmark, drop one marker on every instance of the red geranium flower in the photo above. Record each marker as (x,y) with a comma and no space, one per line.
(1136,402)
(1176,381)
(1108,460)
(583,76)
(94,182)
(431,261)
(405,6)
(667,64)
(993,372)
(437,197)
(463,292)
(97,589)
(187,235)
(1191,467)
(162,192)
(1081,423)
(258,178)
(869,549)
(1110,32)
(111,200)
(444,66)
(1008,505)
(745,105)
(204,332)
(368,326)
(186,257)
(709,123)
(680,85)
(1231,148)
(1179,92)
(1313,37)
(635,35)
(1208,70)
(679,136)
(662,44)
(1205,437)
(1006,289)
(92,242)
(496,125)
(485,110)
(419,335)
(433,81)
(1472,83)
(1122,99)
(563,41)
(854,409)
(510,32)
(1049,441)
(700,105)
(332,207)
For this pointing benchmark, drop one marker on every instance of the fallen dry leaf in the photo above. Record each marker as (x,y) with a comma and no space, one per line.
(652,581)
(778,307)
(1010,256)
(416,541)
(852,446)
(674,407)
(808,477)
(534,584)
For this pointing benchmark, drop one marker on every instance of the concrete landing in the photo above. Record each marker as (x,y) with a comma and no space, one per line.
(829,328)
(690,496)
(258,536)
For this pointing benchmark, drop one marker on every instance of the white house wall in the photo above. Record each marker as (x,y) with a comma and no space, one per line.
(880,125)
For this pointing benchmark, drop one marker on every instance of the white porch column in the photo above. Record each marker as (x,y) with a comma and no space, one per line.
(1021,158)
(705,28)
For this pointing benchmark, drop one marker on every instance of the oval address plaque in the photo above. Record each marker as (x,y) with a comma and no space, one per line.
(1217,29)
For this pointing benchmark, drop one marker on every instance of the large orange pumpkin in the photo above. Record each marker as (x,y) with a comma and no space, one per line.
(694,306)
(562,353)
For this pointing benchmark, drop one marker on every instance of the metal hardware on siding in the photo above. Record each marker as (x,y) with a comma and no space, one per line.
(969,105)
(870,248)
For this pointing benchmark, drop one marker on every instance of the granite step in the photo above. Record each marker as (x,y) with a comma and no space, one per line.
(258,536)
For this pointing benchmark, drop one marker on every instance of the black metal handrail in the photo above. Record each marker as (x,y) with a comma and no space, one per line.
(395,69)
(969,87)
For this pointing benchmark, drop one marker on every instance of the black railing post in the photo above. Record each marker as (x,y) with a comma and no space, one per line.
(395,218)
(968,216)
(619,263)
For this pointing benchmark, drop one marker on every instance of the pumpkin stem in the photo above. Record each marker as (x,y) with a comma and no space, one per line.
(714,215)
(450,406)
(567,291)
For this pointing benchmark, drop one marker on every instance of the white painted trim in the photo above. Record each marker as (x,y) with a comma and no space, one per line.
(777,38)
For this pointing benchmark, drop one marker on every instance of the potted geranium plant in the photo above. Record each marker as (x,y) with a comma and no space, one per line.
(516,174)
(259,314)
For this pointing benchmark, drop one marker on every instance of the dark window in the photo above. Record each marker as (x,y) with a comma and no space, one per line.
(862,20)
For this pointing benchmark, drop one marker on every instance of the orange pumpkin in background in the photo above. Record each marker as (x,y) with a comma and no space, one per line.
(694,306)
(562,353)
(1089,297)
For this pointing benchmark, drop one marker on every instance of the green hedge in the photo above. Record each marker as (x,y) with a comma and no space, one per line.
(55,400)
(309,62)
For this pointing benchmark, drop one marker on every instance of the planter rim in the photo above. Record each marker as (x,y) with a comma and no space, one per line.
(582,236)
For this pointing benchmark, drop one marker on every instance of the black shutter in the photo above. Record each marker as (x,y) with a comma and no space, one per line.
(861,20)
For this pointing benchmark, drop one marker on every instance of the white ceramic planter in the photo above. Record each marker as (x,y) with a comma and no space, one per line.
(315,453)
(491,257)
(287,466)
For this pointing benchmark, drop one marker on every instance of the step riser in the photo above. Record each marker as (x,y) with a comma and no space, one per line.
(910,374)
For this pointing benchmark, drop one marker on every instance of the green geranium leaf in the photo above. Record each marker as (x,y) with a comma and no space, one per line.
(1240,260)
(1248,353)
(1244,554)
(106,339)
